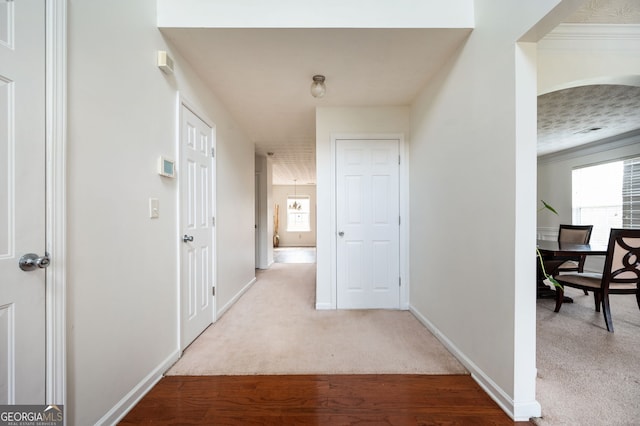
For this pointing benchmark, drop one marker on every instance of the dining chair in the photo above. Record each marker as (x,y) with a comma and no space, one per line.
(577,234)
(621,273)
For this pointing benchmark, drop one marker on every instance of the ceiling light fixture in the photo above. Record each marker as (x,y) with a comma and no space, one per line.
(296,205)
(588,130)
(318,88)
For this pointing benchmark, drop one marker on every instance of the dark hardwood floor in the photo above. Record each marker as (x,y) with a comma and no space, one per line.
(318,400)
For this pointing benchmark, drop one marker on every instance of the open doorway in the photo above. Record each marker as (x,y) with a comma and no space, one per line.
(294,255)
(294,216)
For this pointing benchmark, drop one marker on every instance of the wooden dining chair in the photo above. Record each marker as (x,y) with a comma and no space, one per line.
(577,234)
(621,274)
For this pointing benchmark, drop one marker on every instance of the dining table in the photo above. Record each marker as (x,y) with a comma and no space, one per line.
(561,251)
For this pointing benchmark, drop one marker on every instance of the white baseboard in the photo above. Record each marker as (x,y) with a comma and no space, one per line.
(324,307)
(119,410)
(235,298)
(518,412)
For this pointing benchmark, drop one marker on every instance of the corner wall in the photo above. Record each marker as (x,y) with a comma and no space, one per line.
(122,266)
(473,190)
(264,212)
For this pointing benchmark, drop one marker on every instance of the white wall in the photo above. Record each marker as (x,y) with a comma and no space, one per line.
(345,120)
(554,175)
(473,203)
(122,267)
(311,14)
(572,55)
(264,212)
(295,239)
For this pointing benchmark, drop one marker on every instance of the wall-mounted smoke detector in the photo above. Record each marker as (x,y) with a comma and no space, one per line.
(165,63)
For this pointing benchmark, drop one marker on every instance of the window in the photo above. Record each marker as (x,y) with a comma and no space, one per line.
(607,196)
(631,193)
(298,213)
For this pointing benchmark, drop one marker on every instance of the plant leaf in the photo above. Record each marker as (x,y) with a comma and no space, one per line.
(554,282)
(548,207)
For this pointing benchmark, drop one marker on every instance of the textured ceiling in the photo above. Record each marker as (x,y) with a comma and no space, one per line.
(607,12)
(263,77)
(580,115)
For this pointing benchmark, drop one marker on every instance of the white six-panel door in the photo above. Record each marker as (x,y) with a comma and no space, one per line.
(197,188)
(367,220)
(22,197)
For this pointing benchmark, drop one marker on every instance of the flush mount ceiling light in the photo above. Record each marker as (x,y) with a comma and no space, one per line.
(317,87)
(588,130)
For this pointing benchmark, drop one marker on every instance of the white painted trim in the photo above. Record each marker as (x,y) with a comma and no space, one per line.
(606,144)
(517,411)
(547,233)
(178,260)
(333,229)
(237,297)
(403,149)
(405,235)
(55,142)
(119,410)
(182,101)
(594,32)
(324,306)
(196,110)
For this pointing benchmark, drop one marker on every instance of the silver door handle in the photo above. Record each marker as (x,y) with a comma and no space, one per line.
(32,261)
(187,238)
(341,233)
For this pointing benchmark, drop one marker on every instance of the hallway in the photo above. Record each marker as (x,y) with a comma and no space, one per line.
(274,328)
(294,255)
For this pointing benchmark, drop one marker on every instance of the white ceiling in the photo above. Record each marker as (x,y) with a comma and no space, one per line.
(263,76)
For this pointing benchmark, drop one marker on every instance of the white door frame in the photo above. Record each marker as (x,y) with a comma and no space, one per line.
(184,102)
(55,143)
(404,211)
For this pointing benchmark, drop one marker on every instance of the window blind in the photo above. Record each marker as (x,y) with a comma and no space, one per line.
(631,193)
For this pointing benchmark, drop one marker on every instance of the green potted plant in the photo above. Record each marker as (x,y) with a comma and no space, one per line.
(547,277)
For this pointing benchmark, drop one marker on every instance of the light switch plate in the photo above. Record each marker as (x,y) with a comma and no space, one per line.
(154,208)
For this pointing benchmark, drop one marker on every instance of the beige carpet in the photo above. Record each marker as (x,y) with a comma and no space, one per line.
(587,376)
(274,329)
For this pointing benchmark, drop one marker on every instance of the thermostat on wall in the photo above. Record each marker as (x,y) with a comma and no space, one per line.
(166,167)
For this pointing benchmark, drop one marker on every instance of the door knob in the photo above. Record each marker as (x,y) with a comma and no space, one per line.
(341,233)
(32,261)
(187,238)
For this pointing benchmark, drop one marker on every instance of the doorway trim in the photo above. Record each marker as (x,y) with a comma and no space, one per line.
(56,197)
(183,102)
(404,211)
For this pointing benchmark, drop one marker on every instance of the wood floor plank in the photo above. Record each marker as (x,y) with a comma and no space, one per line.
(318,400)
